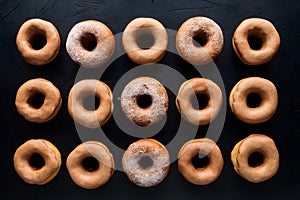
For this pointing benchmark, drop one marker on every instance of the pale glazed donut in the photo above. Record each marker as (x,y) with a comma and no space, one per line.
(138,27)
(238,100)
(39,175)
(50,107)
(28,32)
(90,118)
(151,175)
(262,29)
(145,90)
(199,86)
(207,174)
(255,143)
(90,178)
(205,29)
(90,44)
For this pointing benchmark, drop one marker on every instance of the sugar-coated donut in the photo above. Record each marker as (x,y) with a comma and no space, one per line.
(199,86)
(265,32)
(90,118)
(208,32)
(254,85)
(37,161)
(255,143)
(90,177)
(37,30)
(144,101)
(90,44)
(28,91)
(149,26)
(207,174)
(146,162)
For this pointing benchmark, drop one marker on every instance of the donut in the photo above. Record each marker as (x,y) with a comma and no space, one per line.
(206,174)
(254,85)
(37,161)
(210,38)
(35,89)
(264,146)
(38,41)
(80,92)
(90,44)
(188,90)
(263,32)
(90,165)
(144,101)
(146,162)
(143,27)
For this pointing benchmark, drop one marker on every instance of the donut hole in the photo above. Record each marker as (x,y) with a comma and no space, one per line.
(255,42)
(36,161)
(90,164)
(145,41)
(91,102)
(88,41)
(200,39)
(144,100)
(145,162)
(36,100)
(255,159)
(38,41)
(199,101)
(200,161)
(253,100)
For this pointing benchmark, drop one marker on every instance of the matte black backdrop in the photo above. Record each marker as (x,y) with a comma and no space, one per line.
(283,71)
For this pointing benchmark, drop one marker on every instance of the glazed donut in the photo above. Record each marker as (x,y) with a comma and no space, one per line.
(85,173)
(210,35)
(34,88)
(144,101)
(255,143)
(37,161)
(90,44)
(82,90)
(262,30)
(30,41)
(199,86)
(146,162)
(145,26)
(253,85)
(207,174)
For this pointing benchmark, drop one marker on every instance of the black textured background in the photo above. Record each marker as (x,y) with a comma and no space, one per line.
(283,71)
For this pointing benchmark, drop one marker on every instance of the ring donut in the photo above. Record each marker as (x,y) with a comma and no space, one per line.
(78,94)
(253,85)
(37,161)
(255,143)
(83,171)
(204,175)
(145,26)
(90,44)
(144,101)
(38,41)
(199,86)
(146,162)
(33,89)
(260,29)
(207,49)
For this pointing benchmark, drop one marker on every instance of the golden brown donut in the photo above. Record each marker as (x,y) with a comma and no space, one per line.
(199,86)
(146,162)
(90,44)
(89,177)
(138,27)
(255,143)
(208,32)
(90,118)
(28,91)
(207,174)
(30,31)
(253,85)
(259,28)
(33,171)
(144,101)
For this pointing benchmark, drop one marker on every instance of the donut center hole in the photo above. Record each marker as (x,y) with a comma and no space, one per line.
(37,100)
(145,162)
(199,101)
(255,42)
(88,41)
(200,39)
(253,100)
(91,102)
(144,100)
(90,164)
(145,41)
(38,41)
(200,161)
(36,161)
(255,159)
